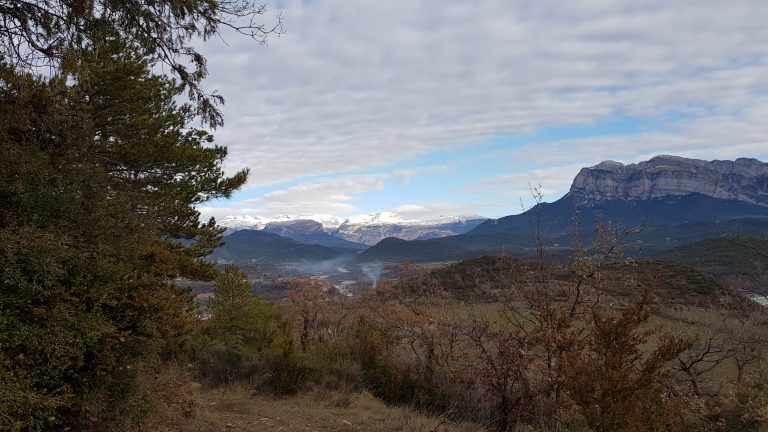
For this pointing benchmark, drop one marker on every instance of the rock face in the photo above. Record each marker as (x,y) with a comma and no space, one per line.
(744,180)
(663,191)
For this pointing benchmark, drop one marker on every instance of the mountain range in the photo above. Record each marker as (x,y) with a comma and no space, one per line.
(358,231)
(310,232)
(676,201)
(289,240)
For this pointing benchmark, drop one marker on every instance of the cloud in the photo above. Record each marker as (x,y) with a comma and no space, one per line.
(323,196)
(433,210)
(551,183)
(545,177)
(708,137)
(406,174)
(362,84)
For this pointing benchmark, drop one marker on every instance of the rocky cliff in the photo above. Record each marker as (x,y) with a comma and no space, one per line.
(744,180)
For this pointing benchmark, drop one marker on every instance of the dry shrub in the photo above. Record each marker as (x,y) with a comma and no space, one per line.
(613,383)
(724,374)
(531,358)
(151,397)
(554,351)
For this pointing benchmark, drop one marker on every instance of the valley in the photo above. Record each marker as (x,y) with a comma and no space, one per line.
(663,208)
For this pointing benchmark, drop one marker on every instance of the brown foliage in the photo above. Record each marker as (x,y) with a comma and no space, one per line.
(615,385)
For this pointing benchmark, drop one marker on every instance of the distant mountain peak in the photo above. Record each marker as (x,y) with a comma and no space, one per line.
(310,232)
(744,180)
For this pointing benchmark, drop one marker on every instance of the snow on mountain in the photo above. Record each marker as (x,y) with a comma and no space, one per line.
(368,228)
(371,229)
(389,218)
(442,220)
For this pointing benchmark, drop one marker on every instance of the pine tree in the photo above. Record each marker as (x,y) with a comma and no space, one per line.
(54,33)
(240,331)
(100,175)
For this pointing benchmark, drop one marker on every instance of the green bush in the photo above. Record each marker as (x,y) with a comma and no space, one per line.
(286,371)
(246,340)
(390,384)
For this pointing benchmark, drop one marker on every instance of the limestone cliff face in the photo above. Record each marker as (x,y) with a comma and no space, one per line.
(663,176)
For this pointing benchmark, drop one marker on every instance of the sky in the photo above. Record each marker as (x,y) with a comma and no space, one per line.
(434,108)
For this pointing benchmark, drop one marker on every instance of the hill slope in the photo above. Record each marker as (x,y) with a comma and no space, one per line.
(648,243)
(723,256)
(246,246)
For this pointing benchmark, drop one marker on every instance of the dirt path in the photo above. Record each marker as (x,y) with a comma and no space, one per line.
(237,409)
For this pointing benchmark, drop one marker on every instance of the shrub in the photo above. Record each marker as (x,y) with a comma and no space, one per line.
(615,385)
(241,330)
(286,373)
(391,384)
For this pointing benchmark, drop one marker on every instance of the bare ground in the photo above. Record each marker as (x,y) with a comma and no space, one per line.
(238,409)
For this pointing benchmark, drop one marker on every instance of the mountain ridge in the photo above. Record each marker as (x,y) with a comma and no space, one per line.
(675,199)
(310,232)
(663,176)
(671,196)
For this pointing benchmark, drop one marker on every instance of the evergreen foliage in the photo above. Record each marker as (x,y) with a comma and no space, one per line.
(54,33)
(99,178)
(241,332)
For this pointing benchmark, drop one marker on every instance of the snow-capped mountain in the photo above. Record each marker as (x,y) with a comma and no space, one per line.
(367,229)
(310,232)
(371,229)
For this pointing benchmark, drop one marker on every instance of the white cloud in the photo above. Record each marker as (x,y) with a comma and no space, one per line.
(433,210)
(406,174)
(549,182)
(709,137)
(363,84)
(546,177)
(323,196)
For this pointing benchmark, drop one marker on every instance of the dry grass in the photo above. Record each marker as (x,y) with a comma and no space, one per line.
(236,408)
